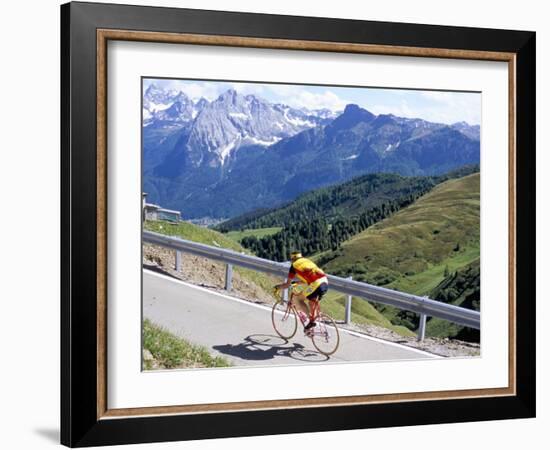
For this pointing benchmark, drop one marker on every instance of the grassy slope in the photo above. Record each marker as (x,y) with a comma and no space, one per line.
(187,230)
(361,312)
(259,233)
(410,250)
(192,232)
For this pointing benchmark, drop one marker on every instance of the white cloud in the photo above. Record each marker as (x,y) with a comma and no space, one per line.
(298,97)
(248,88)
(196,90)
(327,99)
(401,110)
(435,106)
(440,107)
(453,106)
(284,90)
(193,89)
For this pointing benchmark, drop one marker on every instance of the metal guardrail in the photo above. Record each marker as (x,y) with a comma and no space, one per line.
(421,305)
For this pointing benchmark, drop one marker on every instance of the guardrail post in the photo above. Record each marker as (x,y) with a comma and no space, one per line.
(422,327)
(285,295)
(347,318)
(178,261)
(228,277)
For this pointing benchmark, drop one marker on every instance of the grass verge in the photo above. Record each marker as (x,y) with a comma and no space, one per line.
(166,351)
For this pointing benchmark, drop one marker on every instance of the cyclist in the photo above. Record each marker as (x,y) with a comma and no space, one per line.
(317,285)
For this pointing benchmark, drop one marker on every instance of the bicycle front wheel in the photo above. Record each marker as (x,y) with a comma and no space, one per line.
(284,319)
(325,336)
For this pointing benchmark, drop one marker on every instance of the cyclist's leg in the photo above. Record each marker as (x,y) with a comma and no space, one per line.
(314,299)
(299,301)
(313,308)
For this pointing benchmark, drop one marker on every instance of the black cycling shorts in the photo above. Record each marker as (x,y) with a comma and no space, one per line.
(318,293)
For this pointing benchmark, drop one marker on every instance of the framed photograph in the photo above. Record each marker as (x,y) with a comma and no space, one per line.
(278,224)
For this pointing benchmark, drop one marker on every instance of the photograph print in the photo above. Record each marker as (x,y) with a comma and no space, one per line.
(293,224)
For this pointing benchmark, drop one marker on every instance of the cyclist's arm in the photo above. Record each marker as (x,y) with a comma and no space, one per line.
(291,275)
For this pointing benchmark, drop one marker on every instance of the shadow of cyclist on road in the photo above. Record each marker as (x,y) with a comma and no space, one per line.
(262,347)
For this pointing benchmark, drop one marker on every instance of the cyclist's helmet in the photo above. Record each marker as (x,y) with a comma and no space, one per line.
(295,255)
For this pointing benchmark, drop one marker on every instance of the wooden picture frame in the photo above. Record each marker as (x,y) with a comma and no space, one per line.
(86,28)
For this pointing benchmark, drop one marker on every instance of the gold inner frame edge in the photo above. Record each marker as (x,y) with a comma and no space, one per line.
(103,36)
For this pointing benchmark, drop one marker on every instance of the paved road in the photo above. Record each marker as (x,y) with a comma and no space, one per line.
(242,332)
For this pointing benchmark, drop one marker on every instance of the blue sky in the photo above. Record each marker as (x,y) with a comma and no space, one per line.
(435,106)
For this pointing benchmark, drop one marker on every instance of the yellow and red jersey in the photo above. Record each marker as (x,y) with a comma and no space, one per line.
(306,270)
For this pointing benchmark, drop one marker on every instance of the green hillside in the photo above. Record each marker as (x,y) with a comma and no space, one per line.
(362,312)
(322,219)
(316,229)
(187,230)
(344,200)
(418,247)
(237,236)
(330,203)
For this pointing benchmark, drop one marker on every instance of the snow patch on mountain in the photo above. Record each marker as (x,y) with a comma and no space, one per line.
(256,141)
(391,147)
(225,151)
(238,115)
(350,157)
(155,107)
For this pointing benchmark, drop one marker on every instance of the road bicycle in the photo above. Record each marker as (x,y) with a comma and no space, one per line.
(285,315)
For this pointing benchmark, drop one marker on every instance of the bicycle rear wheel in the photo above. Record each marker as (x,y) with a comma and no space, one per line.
(283,317)
(325,336)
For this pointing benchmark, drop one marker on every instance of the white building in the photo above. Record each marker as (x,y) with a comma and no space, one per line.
(155,212)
